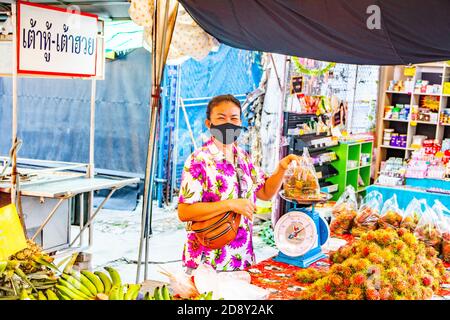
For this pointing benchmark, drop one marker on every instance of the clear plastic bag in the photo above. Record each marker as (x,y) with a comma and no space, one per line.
(412,215)
(427,229)
(444,227)
(391,214)
(368,214)
(300,180)
(181,283)
(230,286)
(344,212)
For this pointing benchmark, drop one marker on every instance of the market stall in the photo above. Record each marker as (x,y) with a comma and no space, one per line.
(44,192)
(338,236)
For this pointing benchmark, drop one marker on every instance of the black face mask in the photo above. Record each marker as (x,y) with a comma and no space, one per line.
(226,133)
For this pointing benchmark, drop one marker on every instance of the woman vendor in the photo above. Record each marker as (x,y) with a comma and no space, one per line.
(220,177)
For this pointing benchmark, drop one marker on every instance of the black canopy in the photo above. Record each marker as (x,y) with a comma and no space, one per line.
(412,31)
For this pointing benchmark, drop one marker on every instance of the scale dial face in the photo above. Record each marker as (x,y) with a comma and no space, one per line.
(295,234)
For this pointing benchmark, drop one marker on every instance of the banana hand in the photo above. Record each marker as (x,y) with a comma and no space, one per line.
(95,281)
(105,280)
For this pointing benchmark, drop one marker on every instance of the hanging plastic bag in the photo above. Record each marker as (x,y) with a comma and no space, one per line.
(412,215)
(12,237)
(368,214)
(300,180)
(427,229)
(444,227)
(391,214)
(344,212)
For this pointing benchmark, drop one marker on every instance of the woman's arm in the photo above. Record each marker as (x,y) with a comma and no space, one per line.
(274,182)
(201,211)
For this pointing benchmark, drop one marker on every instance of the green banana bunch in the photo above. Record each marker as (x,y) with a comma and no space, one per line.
(161,293)
(51,295)
(205,296)
(41,296)
(25,296)
(98,284)
(132,291)
(115,276)
(73,289)
(76,283)
(116,293)
(3,265)
(107,284)
(66,292)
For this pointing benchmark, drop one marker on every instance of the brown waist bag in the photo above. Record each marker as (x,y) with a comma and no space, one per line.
(218,231)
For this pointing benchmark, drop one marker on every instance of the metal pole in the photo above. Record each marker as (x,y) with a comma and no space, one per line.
(150,192)
(81,218)
(91,172)
(148,186)
(14,99)
(95,213)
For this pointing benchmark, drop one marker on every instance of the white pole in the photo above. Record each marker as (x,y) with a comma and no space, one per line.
(14,97)
(91,172)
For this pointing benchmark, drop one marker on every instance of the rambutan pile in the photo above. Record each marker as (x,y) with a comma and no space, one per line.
(384,264)
(309,275)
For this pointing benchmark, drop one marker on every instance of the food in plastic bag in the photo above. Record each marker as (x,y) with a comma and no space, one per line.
(427,229)
(445,249)
(344,212)
(300,179)
(181,283)
(391,214)
(444,226)
(368,214)
(229,286)
(411,216)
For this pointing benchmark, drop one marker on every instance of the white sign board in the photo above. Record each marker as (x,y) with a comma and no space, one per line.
(54,41)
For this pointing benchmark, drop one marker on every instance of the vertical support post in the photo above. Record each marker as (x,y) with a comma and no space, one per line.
(14,99)
(91,167)
(81,219)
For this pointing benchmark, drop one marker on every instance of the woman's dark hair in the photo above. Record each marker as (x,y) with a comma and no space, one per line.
(218,100)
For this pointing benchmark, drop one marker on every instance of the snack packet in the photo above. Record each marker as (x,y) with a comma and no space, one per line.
(344,212)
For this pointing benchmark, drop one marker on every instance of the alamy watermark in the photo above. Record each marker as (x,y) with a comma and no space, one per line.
(374,19)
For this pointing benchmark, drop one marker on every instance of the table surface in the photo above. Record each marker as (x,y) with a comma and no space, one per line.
(68,186)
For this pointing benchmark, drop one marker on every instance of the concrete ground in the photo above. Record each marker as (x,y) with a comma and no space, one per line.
(116,242)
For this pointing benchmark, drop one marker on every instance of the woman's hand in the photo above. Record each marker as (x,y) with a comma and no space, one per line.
(244,207)
(284,163)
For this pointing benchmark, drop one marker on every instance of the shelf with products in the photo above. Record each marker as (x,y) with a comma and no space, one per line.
(423,112)
(354,166)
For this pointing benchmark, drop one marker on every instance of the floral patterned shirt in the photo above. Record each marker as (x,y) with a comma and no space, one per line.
(209,177)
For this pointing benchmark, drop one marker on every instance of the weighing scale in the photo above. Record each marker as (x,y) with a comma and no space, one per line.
(301,233)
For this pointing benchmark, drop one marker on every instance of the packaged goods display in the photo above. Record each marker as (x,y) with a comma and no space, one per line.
(392,172)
